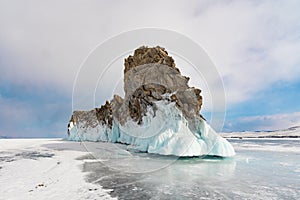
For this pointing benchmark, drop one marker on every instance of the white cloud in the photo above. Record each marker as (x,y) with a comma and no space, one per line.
(253,43)
(265,122)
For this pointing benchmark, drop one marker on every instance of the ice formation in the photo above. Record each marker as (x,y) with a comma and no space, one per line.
(159,114)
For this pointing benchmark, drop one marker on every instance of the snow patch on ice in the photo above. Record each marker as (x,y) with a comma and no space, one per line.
(56,177)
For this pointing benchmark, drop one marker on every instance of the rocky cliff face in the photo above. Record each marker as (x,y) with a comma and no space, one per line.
(150,75)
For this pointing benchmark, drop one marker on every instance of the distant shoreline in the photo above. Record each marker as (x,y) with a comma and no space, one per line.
(290,133)
(260,137)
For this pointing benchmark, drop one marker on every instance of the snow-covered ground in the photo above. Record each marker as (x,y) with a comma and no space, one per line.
(29,170)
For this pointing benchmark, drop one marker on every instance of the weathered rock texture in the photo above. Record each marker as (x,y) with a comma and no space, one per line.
(150,75)
(145,55)
(104,114)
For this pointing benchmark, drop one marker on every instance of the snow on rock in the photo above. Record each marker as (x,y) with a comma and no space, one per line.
(167,133)
(159,114)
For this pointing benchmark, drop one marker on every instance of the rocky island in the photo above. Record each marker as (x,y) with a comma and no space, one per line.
(159,113)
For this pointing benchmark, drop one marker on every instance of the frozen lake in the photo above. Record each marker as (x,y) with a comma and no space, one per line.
(262,169)
(51,168)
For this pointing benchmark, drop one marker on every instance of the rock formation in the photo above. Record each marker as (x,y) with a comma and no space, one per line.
(150,78)
(150,75)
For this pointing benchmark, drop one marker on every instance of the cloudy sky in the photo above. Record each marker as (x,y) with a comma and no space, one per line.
(255,46)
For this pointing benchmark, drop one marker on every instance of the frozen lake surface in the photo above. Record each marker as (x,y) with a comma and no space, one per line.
(262,169)
(47,169)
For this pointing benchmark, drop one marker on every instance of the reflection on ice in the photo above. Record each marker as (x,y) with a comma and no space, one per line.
(149,176)
(119,157)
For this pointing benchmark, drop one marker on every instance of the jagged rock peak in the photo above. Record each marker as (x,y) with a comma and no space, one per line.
(150,76)
(146,55)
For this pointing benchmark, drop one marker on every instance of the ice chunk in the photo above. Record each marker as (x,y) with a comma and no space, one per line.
(166,133)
